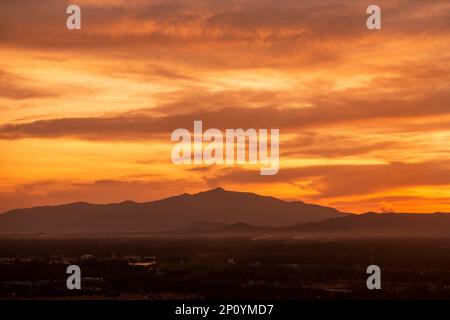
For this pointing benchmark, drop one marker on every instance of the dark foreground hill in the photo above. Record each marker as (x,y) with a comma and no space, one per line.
(217,205)
(380,224)
(412,225)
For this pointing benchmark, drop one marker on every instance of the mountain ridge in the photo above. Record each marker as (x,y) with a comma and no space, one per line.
(367,225)
(173,212)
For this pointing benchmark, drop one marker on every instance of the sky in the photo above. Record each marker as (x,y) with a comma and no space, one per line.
(86,115)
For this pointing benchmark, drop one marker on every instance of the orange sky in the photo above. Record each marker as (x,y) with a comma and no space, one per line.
(363,115)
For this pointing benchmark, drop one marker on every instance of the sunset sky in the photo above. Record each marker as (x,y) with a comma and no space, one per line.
(364,116)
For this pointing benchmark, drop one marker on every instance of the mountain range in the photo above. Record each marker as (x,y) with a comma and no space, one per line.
(213,206)
(220,212)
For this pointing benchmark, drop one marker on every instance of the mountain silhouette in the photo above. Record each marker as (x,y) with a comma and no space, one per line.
(382,225)
(428,225)
(176,212)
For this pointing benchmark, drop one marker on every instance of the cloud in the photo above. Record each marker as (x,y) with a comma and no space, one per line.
(333,145)
(176,23)
(334,181)
(18,88)
(143,126)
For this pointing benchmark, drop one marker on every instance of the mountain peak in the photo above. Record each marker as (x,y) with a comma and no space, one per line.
(215,191)
(218,189)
